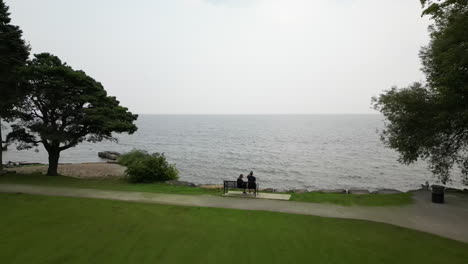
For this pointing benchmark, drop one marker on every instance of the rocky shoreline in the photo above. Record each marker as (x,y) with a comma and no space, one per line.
(336,191)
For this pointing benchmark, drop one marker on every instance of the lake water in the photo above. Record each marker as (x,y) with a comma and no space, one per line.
(284,151)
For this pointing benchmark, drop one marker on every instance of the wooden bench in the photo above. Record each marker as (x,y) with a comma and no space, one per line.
(233,185)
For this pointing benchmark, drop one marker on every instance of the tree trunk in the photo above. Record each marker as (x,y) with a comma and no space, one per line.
(54,155)
(1,146)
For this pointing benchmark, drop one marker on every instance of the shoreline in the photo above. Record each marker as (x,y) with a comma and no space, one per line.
(112,170)
(88,170)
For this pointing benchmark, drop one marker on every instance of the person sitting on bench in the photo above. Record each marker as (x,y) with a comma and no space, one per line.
(252,182)
(241,184)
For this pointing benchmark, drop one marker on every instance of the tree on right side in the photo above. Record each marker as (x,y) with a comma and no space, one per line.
(429,121)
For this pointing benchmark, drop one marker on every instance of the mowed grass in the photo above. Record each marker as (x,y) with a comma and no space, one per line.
(104,184)
(41,229)
(351,199)
(122,185)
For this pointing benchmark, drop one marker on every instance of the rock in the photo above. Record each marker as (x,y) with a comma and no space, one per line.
(417,190)
(30,164)
(297,191)
(211,186)
(386,191)
(11,164)
(111,155)
(333,191)
(181,183)
(300,191)
(453,190)
(358,191)
(425,186)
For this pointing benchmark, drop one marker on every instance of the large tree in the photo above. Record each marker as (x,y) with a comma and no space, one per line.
(64,107)
(429,120)
(13,54)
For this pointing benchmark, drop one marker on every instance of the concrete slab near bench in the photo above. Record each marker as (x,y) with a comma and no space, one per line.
(270,196)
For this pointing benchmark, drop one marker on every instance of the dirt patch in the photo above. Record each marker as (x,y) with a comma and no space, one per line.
(97,170)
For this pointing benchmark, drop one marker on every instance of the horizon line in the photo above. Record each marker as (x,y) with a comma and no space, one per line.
(259,114)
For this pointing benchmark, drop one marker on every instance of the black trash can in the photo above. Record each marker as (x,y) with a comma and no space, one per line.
(438,192)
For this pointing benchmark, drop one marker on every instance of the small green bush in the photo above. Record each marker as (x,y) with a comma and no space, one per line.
(132,156)
(143,167)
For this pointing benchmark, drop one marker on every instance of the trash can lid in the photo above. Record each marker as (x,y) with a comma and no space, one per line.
(438,188)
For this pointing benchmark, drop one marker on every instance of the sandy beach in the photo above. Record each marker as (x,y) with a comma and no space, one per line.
(95,170)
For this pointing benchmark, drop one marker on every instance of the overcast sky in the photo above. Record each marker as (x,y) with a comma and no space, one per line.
(233,56)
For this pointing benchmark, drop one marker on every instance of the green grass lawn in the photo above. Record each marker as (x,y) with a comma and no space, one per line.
(349,200)
(121,185)
(107,184)
(41,229)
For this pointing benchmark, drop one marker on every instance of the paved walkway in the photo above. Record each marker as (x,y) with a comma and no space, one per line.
(447,220)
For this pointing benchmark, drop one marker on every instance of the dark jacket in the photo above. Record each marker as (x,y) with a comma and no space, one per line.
(251,184)
(251,179)
(240,183)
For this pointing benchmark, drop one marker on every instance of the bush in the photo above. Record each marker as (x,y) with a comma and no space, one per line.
(143,167)
(132,156)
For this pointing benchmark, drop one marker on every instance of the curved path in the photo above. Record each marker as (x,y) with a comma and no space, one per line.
(448,220)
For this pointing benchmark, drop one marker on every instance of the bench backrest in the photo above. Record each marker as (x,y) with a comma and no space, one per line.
(230,184)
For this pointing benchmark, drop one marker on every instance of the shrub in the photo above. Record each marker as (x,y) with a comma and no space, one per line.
(143,167)
(132,156)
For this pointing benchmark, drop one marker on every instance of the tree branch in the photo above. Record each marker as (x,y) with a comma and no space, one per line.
(72,143)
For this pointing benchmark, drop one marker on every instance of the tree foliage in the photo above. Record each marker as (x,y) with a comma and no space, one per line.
(430,121)
(13,54)
(64,107)
(143,167)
